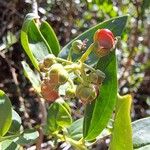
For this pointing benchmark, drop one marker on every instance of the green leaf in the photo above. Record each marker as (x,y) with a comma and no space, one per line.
(5,113)
(33,41)
(147,147)
(9,145)
(122,131)
(141,133)
(116,25)
(16,123)
(50,36)
(28,137)
(34,78)
(58,116)
(98,113)
(75,131)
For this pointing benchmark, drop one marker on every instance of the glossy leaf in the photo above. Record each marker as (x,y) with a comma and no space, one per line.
(50,36)
(116,25)
(34,78)
(141,134)
(33,41)
(147,147)
(98,113)
(5,113)
(58,115)
(75,131)
(9,145)
(16,123)
(122,131)
(27,137)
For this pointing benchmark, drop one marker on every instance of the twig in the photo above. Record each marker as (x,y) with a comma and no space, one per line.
(43,122)
(34,7)
(41,101)
(14,76)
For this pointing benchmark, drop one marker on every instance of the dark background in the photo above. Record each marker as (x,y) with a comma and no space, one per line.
(69,18)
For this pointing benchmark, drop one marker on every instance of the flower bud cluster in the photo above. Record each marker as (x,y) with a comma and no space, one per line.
(88,90)
(85,85)
(78,46)
(87,81)
(54,76)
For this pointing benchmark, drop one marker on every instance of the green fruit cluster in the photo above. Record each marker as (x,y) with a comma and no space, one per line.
(87,81)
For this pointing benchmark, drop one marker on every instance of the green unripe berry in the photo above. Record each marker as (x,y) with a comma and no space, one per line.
(86,93)
(49,60)
(96,77)
(70,93)
(77,46)
(42,67)
(77,81)
(58,74)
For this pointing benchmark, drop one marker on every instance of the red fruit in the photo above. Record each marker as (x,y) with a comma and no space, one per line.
(48,92)
(106,41)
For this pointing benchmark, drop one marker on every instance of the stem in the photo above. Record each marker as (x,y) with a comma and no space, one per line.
(69,55)
(9,137)
(79,145)
(78,75)
(71,83)
(43,122)
(89,67)
(87,53)
(63,60)
(70,62)
(35,7)
(73,67)
(79,66)
(83,73)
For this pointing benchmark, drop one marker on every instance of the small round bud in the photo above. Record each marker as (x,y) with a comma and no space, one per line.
(86,93)
(96,77)
(42,67)
(77,46)
(105,40)
(77,81)
(48,92)
(70,93)
(49,60)
(58,74)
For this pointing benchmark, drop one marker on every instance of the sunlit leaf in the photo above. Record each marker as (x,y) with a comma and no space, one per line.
(33,77)
(141,134)
(58,115)
(9,145)
(50,36)
(16,123)
(122,132)
(27,137)
(75,131)
(33,41)
(5,113)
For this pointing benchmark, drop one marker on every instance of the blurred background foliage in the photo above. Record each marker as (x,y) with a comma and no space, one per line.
(69,18)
